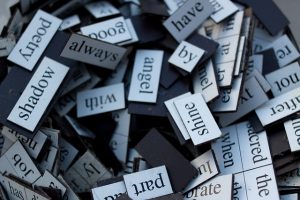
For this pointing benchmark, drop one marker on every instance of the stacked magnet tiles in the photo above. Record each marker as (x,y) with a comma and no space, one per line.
(149,99)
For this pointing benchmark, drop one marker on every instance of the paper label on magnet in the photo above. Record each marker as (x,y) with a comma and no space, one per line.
(254,147)
(134,36)
(100,100)
(69,22)
(93,51)
(197,119)
(70,194)
(284,79)
(222,9)
(225,74)
(110,191)
(6,46)
(90,169)
(32,145)
(145,76)
(292,129)
(101,9)
(227,49)
(34,40)
(254,62)
(20,163)
(148,184)
(279,107)
(205,81)
(227,151)
(173,5)
(240,57)
(228,99)
(49,159)
(239,187)
(251,97)
(67,154)
(76,182)
(289,197)
(38,94)
(119,140)
(187,18)
(265,85)
(48,180)
(80,130)
(53,135)
(112,31)
(17,190)
(207,168)
(230,27)
(261,183)
(186,56)
(285,51)
(219,188)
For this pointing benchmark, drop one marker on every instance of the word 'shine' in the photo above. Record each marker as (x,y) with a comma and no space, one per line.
(198,120)
(38,94)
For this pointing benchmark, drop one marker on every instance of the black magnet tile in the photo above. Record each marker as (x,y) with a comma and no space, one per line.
(255,122)
(287,168)
(158,109)
(180,171)
(168,72)
(176,196)
(3,69)
(154,7)
(147,28)
(176,130)
(278,141)
(123,197)
(210,46)
(269,14)
(270,62)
